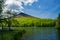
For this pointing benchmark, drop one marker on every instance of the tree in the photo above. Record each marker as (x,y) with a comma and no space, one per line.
(9,20)
(58,21)
(0,10)
(58,26)
(9,12)
(1,4)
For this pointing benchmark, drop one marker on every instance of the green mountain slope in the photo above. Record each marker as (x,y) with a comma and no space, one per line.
(25,20)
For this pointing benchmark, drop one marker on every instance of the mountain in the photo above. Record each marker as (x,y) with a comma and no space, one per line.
(23,15)
(25,20)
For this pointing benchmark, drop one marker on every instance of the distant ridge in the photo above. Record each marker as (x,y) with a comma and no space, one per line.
(23,15)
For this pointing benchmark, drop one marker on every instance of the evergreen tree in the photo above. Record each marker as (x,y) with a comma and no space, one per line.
(1,4)
(58,21)
(58,26)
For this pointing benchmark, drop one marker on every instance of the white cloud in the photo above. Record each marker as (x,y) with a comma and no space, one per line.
(17,4)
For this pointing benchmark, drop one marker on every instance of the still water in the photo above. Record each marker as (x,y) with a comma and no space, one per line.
(42,33)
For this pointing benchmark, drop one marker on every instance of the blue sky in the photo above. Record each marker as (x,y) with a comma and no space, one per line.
(37,8)
(43,9)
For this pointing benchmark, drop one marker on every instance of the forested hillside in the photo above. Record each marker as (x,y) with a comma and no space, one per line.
(25,20)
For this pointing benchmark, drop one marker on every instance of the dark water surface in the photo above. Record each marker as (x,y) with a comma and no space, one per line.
(42,33)
(37,33)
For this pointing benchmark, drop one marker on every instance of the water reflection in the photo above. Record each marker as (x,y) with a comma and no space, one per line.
(42,33)
(30,33)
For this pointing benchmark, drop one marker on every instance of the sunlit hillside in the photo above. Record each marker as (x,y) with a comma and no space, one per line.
(25,20)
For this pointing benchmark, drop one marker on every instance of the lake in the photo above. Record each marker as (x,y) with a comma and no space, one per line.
(42,33)
(36,33)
